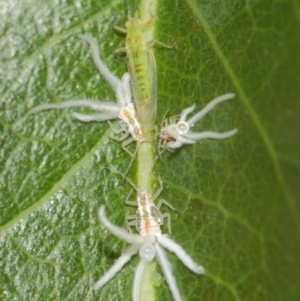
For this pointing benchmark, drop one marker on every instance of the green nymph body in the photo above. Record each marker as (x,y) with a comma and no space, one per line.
(142,68)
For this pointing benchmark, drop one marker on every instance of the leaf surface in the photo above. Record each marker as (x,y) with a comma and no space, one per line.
(237,199)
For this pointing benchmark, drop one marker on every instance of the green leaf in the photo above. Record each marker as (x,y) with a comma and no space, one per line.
(237,199)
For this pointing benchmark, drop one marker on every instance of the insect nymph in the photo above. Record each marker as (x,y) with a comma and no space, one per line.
(123,108)
(149,243)
(177,131)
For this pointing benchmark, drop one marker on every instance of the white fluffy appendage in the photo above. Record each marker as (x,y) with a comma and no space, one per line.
(181,133)
(168,273)
(111,110)
(172,246)
(104,71)
(92,104)
(138,277)
(118,265)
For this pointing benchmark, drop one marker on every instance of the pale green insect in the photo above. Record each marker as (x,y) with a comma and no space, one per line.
(142,69)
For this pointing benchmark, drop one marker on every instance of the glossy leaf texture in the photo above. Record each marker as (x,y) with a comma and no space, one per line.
(237,199)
